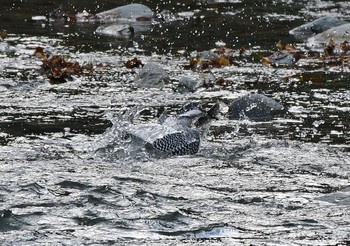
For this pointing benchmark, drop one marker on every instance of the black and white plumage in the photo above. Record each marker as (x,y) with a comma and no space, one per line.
(175,135)
(179,143)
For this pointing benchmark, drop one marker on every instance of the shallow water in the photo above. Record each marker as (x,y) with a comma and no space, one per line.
(68,179)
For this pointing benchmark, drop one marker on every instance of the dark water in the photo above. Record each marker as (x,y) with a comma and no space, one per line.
(67,180)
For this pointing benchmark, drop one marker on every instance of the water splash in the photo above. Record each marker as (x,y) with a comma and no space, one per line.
(115,144)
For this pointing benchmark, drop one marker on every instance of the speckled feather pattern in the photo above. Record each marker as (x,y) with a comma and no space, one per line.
(179,143)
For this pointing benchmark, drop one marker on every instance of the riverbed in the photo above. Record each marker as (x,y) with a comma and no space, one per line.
(66,179)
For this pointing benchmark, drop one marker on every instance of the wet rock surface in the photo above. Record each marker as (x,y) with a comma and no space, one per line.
(255,107)
(152,75)
(338,34)
(315,27)
(187,84)
(133,12)
(69,176)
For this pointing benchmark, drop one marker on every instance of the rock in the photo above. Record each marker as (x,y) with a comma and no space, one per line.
(341,197)
(339,34)
(133,12)
(128,13)
(152,75)
(317,26)
(116,30)
(281,58)
(121,30)
(85,17)
(187,84)
(253,106)
(7,48)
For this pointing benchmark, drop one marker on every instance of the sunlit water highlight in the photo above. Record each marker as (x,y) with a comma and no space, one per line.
(68,178)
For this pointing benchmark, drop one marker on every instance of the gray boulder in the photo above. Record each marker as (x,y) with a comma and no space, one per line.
(187,84)
(315,27)
(280,58)
(131,12)
(7,48)
(134,12)
(255,107)
(152,75)
(339,34)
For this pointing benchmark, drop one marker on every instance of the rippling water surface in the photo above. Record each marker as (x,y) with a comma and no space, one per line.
(67,178)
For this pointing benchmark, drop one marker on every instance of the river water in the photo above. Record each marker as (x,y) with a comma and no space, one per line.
(66,179)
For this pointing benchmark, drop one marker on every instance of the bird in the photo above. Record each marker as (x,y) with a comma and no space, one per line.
(175,135)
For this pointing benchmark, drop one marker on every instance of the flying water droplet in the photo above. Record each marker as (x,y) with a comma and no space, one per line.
(317,123)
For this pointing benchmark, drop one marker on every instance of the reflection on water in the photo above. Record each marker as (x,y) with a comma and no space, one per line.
(235,22)
(68,179)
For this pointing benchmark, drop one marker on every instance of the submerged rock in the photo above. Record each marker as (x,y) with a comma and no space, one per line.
(187,84)
(7,48)
(218,57)
(8,221)
(253,106)
(152,75)
(281,58)
(123,30)
(179,135)
(286,55)
(317,26)
(338,34)
(116,30)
